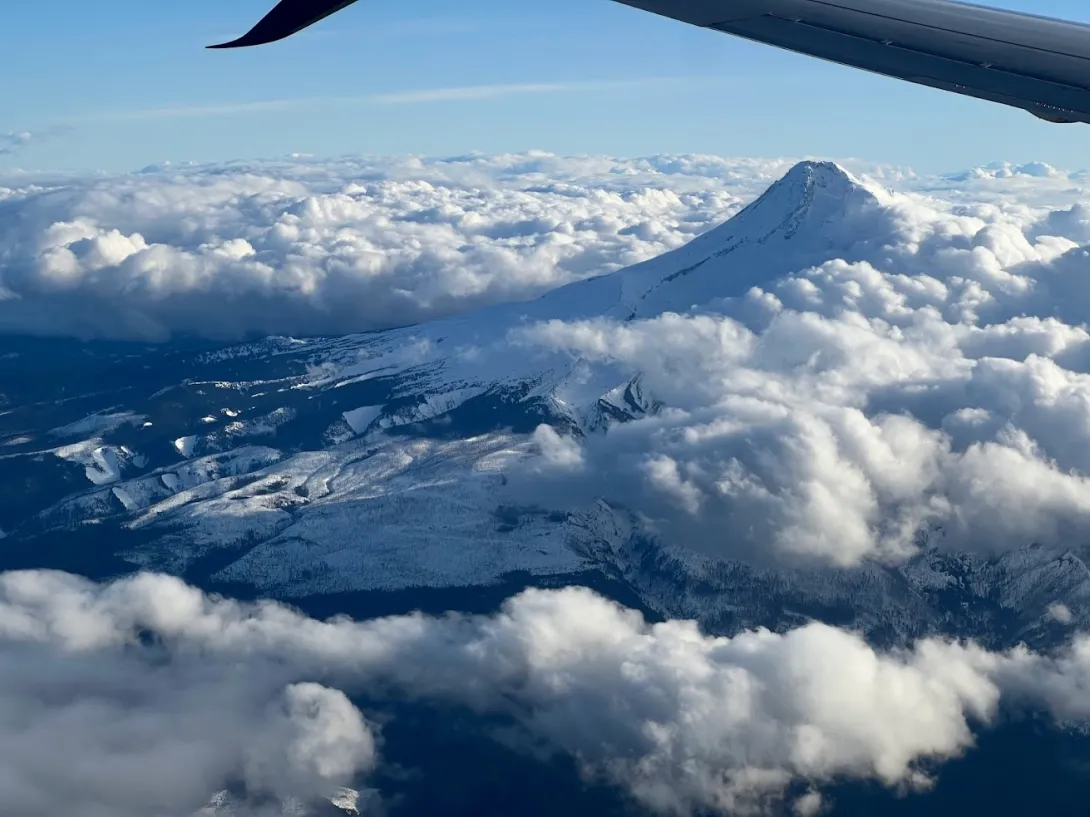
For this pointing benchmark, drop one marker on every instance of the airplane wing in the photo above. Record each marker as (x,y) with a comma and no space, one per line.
(1038,64)
(1026,61)
(289,17)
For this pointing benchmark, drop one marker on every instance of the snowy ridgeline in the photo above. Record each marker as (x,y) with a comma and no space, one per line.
(344,802)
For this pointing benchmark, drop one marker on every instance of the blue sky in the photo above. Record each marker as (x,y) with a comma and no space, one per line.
(119,84)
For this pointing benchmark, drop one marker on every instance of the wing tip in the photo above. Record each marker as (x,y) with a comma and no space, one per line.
(245,41)
(288,17)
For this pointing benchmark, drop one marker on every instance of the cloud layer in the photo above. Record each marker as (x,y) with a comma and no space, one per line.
(144,696)
(304,246)
(307,247)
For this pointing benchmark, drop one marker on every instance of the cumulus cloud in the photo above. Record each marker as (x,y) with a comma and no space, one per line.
(143,696)
(1060,613)
(799,438)
(14,142)
(98,724)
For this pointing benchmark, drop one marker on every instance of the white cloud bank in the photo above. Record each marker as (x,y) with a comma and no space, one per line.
(143,696)
(303,246)
(309,247)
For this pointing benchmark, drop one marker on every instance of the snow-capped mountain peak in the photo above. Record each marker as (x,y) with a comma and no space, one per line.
(816,211)
(377,461)
(811,195)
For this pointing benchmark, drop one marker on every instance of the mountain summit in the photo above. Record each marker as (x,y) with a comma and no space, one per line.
(810,196)
(816,211)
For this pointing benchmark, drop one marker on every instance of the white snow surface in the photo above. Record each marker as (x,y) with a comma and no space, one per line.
(185,445)
(360,418)
(223,804)
(103,464)
(98,424)
(347,800)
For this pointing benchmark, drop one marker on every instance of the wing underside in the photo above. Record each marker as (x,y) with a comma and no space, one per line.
(287,18)
(1034,63)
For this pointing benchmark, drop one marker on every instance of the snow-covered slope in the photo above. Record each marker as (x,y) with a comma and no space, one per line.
(379,461)
(345,802)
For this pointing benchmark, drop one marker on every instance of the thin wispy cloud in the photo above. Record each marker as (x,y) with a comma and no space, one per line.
(415,27)
(407,97)
(14,142)
(471,92)
(197,111)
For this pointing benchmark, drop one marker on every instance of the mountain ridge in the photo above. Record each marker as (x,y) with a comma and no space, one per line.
(377,461)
